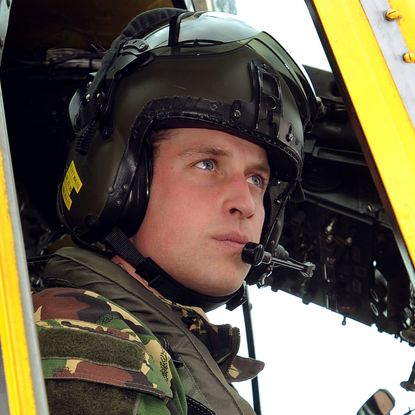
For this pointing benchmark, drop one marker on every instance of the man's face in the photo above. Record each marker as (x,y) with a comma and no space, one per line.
(206,202)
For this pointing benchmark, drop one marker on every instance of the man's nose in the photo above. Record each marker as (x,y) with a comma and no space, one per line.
(238,197)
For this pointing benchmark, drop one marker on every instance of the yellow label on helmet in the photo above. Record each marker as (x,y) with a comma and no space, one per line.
(71,181)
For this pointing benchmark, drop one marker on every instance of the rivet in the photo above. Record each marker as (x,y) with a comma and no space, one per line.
(106,132)
(409,57)
(142,47)
(110,190)
(330,260)
(375,310)
(290,136)
(329,239)
(125,187)
(118,202)
(392,14)
(237,114)
(88,97)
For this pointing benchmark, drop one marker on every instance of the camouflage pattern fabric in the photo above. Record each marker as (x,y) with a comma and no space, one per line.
(204,355)
(86,338)
(222,341)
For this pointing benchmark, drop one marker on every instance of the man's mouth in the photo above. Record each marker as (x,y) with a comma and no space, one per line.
(232,239)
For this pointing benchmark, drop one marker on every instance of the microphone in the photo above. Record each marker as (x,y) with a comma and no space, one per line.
(255,255)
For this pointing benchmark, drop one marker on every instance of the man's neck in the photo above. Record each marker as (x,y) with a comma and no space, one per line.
(127,267)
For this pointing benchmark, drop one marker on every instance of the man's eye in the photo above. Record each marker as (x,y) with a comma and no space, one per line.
(206,164)
(257,180)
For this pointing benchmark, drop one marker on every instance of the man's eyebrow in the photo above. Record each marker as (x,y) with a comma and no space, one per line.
(205,150)
(262,168)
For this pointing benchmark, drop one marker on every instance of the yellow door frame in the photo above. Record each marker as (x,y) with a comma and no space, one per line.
(19,346)
(20,351)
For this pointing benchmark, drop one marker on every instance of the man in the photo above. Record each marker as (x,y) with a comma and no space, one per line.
(188,143)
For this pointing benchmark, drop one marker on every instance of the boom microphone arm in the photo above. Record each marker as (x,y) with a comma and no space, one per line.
(254,254)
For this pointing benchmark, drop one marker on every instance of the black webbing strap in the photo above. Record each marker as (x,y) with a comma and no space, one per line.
(120,243)
(162,281)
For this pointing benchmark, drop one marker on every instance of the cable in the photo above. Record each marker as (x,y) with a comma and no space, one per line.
(251,351)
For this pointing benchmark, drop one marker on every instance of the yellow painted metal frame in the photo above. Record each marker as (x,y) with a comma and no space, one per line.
(12,328)
(389,136)
(407,21)
(21,358)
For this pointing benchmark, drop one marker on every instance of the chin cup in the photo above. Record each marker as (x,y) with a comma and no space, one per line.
(255,255)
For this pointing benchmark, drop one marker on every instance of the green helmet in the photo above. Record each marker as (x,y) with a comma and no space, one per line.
(172,68)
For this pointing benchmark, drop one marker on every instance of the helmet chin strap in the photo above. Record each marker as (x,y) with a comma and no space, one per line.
(165,284)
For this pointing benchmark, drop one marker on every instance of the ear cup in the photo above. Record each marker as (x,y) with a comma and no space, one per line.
(136,205)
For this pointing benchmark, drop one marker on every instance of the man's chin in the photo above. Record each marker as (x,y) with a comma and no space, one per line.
(220,291)
(226,281)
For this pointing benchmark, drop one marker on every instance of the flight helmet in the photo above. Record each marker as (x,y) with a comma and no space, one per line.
(173,68)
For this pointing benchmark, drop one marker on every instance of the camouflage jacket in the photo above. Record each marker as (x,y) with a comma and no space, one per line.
(110,346)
